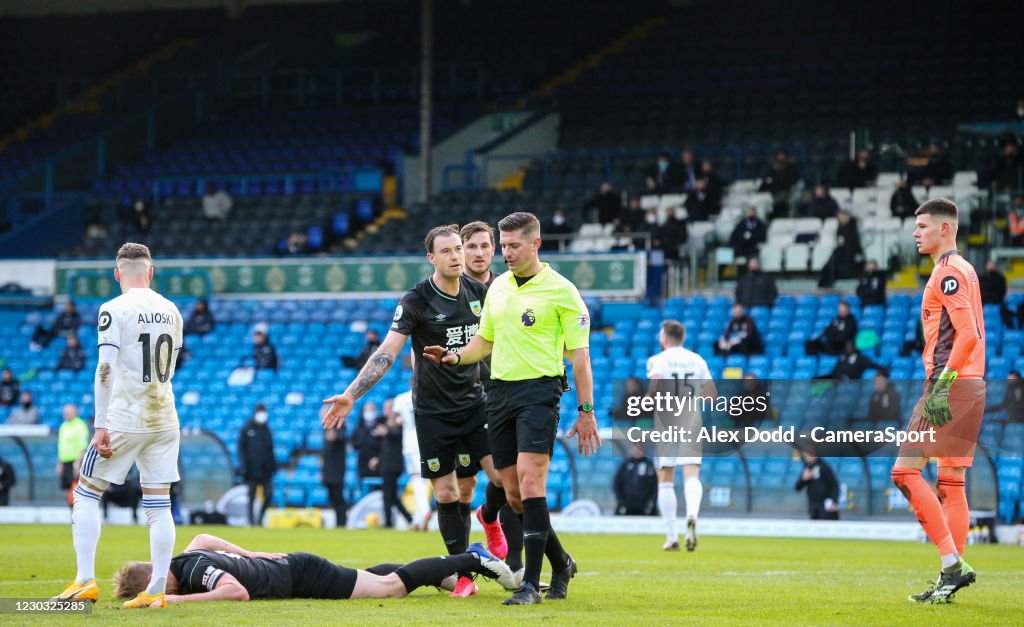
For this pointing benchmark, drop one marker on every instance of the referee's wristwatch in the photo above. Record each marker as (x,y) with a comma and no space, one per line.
(587,407)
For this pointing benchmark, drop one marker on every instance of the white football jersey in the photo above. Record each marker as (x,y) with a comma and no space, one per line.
(678,363)
(403,407)
(146,328)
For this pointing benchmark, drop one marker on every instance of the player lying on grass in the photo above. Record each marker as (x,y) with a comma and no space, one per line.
(213,569)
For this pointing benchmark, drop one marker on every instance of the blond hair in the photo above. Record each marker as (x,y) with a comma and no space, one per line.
(134,258)
(132,579)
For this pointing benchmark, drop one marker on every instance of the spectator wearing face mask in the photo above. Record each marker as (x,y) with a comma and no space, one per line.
(664,177)
(558,226)
(26,413)
(256,456)
(366,438)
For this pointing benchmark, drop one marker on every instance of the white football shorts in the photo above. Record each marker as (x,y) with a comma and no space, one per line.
(155,453)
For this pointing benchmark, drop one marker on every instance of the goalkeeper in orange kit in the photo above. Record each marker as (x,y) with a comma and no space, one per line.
(953,401)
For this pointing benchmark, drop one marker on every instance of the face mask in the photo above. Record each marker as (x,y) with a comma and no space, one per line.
(651,219)
(27,404)
(662,166)
(260,417)
(369,415)
(680,214)
(558,220)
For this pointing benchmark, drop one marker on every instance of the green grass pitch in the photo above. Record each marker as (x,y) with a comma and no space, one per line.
(622,580)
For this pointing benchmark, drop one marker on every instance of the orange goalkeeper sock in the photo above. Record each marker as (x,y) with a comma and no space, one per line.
(927,507)
(954,506)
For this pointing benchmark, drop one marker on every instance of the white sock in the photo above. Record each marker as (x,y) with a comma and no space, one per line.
(161,538)
(693,490)
(85,531)
(419,493)
(667,505)
(950,560)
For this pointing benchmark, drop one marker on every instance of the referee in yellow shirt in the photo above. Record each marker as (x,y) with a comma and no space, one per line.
(531,314)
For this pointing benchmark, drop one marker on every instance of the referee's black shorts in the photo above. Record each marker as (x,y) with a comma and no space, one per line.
(313,577)
(457,442)
(522,417)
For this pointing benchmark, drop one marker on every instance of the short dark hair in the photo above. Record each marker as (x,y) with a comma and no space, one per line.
(471,229)
(520,221)
(438,231)
(941,207)
(674,330)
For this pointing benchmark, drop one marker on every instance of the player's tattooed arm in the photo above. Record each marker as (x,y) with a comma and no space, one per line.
(374,370)
(377,365)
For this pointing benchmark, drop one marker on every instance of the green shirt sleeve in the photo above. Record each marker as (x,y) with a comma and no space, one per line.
(574,317)
(486,329)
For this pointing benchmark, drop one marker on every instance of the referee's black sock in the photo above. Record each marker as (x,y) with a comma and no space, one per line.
(536,524)
(466,512)
(512,525)
(432,571)
(495,498)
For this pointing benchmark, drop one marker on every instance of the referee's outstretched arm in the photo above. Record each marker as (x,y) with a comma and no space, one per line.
(477,350)
(586,423)
(376,367)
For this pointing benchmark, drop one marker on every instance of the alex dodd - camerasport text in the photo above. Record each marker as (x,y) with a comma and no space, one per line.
(748,435)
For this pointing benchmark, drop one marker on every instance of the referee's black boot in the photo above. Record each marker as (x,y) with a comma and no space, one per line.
(525,595)
(560,581)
